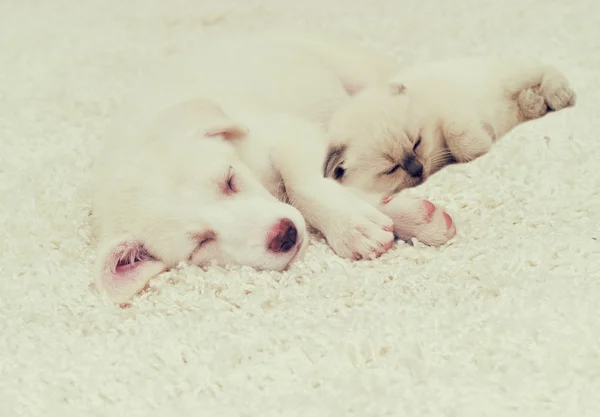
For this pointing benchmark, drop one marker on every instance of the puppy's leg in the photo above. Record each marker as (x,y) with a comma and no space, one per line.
(353,228)
(467,138)
(414,218)
(553,85)
(531,103)
(530,90)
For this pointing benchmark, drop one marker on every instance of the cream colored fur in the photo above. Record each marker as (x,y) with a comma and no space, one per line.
(439,113)
(237,111)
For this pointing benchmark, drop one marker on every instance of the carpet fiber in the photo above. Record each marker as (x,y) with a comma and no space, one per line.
(503,321)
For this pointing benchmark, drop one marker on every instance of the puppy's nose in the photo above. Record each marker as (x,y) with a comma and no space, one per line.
(413,166)
(283,236)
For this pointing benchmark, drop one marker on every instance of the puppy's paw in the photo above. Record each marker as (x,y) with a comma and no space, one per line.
(420,219)
(531,103)
(361,233)
(556,91)
(468,140)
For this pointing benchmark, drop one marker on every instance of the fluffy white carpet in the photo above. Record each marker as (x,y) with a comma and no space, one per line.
(503,322)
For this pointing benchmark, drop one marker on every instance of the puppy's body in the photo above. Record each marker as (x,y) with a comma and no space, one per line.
(474,102)
(310,76)
(396,134)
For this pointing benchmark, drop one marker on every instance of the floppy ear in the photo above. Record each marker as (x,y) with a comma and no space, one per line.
(397,87)
(227,129)
(332,168)
(124,267)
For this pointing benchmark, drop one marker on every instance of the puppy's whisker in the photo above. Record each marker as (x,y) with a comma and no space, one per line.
(442,152)
(440,157)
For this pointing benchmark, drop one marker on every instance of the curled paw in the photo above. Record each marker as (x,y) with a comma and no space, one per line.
(363,233)
(556,91)
(420,219)
(531,103)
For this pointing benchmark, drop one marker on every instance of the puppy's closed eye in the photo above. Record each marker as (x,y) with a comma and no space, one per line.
(230,184)
(332,167)
(202,240)
(205,237)
(416,145)
(394,169)
(338,172)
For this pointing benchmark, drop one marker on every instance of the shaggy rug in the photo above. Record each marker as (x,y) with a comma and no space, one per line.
(502,321)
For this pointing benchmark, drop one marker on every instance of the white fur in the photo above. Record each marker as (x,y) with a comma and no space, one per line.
(161,191)
(157,190)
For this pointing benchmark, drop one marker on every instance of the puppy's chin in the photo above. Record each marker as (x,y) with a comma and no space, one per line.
(417,181)
(409,183)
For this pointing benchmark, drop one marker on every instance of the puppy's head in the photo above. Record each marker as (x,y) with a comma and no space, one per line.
(181,193)
(373,148)
(383,141)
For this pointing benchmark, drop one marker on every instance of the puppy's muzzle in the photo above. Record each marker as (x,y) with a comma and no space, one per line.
(413,167)
(283,236)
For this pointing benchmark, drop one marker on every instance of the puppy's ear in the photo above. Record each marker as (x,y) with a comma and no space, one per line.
(332,167)
(397,87)
(227,129)
(124,267)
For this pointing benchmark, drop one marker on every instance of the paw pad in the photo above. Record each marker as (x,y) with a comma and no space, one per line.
(448,220)
(386,245)
(429,210)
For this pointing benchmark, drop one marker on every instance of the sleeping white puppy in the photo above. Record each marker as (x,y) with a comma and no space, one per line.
(221,160)
(395,134)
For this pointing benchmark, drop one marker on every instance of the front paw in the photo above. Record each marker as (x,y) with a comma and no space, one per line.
(468,140)
(531,103)
(361,233)
(420,219)
(556,91)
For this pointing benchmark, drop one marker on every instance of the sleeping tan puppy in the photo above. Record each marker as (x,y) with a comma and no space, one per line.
(394,135)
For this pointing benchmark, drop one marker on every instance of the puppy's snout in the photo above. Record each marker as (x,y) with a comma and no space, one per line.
(283,236)
(413,166)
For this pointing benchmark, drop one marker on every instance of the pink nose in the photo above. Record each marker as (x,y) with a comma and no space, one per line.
(283,236)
